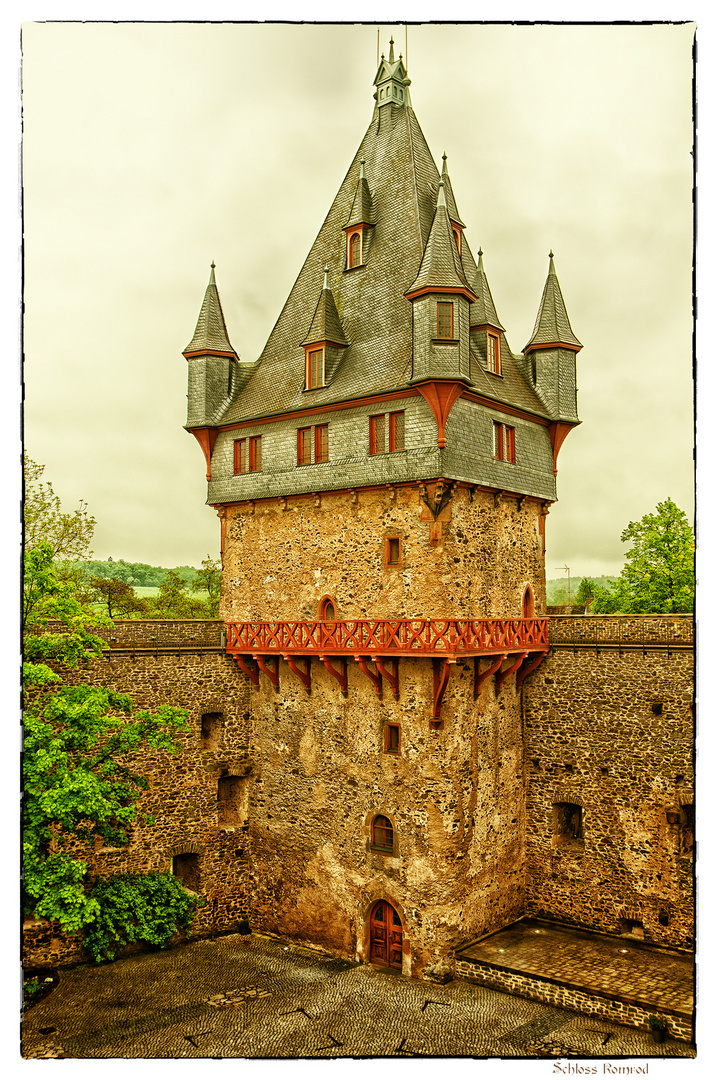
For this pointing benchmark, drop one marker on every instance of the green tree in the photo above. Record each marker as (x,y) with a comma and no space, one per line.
(80,782)
(586,591)
(209,580)
(173,600)
(120,598)
(658,574)
(69,535)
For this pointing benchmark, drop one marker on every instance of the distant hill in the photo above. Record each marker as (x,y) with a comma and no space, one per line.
(557,588)
(137,574)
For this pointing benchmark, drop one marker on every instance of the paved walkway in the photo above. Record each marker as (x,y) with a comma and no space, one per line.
(614,966)
(249,997)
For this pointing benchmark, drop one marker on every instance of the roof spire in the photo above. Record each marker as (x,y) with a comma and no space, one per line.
(392,80)
(483,311)
(552,326)
(390,52)
(211,331)
(326,323)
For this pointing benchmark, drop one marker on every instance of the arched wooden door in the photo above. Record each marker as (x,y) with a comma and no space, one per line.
(386,936)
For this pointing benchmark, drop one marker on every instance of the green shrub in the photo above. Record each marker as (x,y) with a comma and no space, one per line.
(137,907)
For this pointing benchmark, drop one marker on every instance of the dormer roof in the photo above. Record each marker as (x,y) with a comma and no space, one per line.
(326,324)
(450,198)
(483,311)
(361,210)
(211,334)
(552,326)
(441,267)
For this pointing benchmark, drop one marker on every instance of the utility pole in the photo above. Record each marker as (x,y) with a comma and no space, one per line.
(567,570)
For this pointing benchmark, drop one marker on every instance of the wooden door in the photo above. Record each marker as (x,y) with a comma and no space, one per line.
(386,936)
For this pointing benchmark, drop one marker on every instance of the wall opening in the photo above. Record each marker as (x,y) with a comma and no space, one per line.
(528,603)
(233,800)
(567,825)
(185,868)
(632,928)
(212,730)
(386,936)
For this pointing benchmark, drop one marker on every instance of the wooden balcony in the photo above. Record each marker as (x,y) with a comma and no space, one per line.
(257,646)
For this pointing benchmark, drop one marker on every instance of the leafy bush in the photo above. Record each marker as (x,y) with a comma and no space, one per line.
(137,907)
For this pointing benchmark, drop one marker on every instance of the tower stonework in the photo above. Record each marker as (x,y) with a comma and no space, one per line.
(382,473)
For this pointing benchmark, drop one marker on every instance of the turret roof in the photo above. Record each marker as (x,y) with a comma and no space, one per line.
(483,311)
(441,265)
(450,198)
(361,212)
(211,331)
(552,325)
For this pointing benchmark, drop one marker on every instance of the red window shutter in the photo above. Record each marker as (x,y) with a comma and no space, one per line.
(239,456)
(255,454)
(303,453)
(377,429)
(321,442)
(396,430)
(498,441)
(510,444)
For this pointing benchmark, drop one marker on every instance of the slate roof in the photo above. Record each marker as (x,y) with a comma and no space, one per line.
(552,324)
(369,300)
(326,325)
(483,310)
(441,265)
(361,212)
(450,198)
(211,331)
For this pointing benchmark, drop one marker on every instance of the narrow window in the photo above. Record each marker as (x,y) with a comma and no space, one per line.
(567,824)
(392,551)
(211,730)
(314,368)
(354,252)
(232,800)
(239,456)
(382,834)
(327,610)
(303,453)
(445,320)
(493,354)
(186,870)
(377,434)
(392,738)
(255,454)
(503,442)
(396,430)
(457,235)
(321,442)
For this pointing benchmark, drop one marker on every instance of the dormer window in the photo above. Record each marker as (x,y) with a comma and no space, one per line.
(445,320)
(457,234)
(493,353)
(314,368)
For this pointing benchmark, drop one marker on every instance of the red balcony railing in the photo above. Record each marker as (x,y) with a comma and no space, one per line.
(390,637)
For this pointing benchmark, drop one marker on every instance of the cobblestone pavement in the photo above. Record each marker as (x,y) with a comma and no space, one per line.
(248,997)
(657,978)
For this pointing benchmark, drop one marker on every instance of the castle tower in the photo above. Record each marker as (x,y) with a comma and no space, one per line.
(382,474)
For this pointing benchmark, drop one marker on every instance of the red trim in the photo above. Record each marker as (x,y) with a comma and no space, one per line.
(206,437)
(305,675)
(488,326)
(337,406)
(340,675)
(509,410)
(392,676)
(452,290)
(441,671)
(551,345)
(211,352)
(479,677)
(252,672)
(527,669)
(441,395)
(559,430)
(501,676)
(270,668)
(376,679)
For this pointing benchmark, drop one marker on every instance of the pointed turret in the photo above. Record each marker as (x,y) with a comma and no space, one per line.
(441,269)
(550,356)
(210,335)
(450,198)
(392,81)
(483,311)
(360,222)
(552,326)
(487,333)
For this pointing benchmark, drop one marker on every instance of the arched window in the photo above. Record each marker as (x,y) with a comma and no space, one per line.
(382,834)
(354,252)
(528,603)
(327,609)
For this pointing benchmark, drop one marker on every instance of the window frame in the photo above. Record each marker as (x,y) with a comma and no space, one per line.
(386,831)
(254,453)
(442,310)
(503,442)
(388,562)
(390,425)
(388,727)
(374,421)
(351,236)
(319,371)
(303,446)
(493,353)
(321,444)
(240,456)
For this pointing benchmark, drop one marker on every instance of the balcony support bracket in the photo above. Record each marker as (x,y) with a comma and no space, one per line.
(376,679)
(441,671)
(391,676)
(339,674)
(269,668)
(528,668)
(248,668)
(501,676)
(305,673)
(479,677)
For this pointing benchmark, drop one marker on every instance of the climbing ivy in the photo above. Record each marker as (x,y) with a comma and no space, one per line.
(137,907)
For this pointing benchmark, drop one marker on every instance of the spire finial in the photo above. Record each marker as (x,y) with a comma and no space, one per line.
(326,278)
(213,264)
(390,52)
(362,173)
(550,254)
(441,194)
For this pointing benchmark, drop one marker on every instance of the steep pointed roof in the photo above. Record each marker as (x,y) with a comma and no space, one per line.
(450,198)
(483,311)
(361,211)
(211,331)
(552,326)
(326,324)
(441,266)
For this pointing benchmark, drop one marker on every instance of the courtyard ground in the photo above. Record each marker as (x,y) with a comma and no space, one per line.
(259,997)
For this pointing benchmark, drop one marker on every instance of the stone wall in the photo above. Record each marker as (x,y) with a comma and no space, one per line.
(281,556)
(609,729)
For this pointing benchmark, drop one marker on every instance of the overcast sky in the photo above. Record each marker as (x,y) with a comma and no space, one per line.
(152,149)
